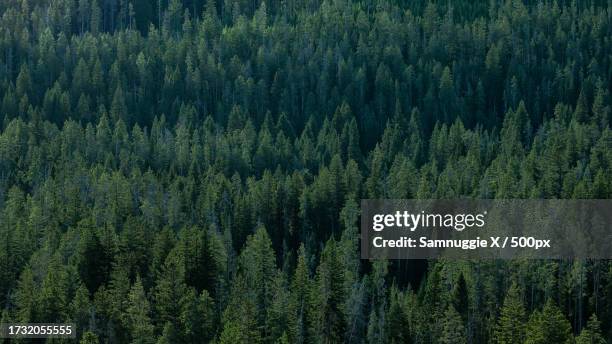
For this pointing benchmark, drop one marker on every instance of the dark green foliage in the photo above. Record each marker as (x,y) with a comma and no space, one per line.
(138,319)
(460,297)
(548,326)
(190,171)
(591,334)
(397,320)
(89,338)
(93,259)
(510,328)
(453,331)
(328,316)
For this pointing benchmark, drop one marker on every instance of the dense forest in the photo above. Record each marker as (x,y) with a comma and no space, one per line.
(191,171)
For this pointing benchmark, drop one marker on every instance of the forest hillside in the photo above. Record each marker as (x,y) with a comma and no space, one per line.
(191,171)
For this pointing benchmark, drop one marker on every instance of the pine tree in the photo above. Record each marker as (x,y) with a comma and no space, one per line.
(447,95)
(591,334)
(119,109)
(548,326)
(138,320)
(453,331)
(25,297)
(202,264)
(169,290)
(89,338)
(397,324)
(81,308)
(460,297)
(169,335)
(277,313)
(510,327)
(328,322)
(240,318)
(298,302)
(258,267)
(581,112)
(52,300)
(601,111)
